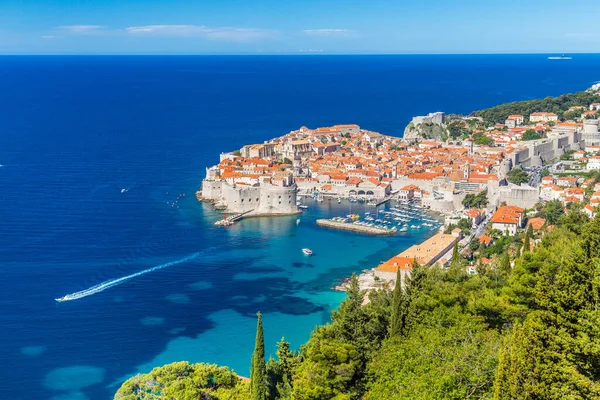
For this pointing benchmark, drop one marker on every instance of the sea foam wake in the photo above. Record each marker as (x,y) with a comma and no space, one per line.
(114,282)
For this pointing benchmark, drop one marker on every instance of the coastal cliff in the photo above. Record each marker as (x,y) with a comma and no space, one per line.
(425,131)
(427,127)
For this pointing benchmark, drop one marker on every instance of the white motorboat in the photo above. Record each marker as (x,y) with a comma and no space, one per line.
(307,252)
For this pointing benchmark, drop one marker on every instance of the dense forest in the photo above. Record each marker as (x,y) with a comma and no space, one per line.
(526,326)
(557,105)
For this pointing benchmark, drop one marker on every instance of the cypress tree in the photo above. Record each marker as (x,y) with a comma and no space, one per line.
(258,379)
(528,236)
(505,263)
(455,255)
(396,318)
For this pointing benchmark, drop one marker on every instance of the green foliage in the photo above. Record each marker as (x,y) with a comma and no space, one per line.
(397,317)
(478,200)
(330,368)
(185,381)
(437,362)
(528,236)
(458,128)
(334,359)
(573,115)
(530,134)
(279,372)
(555,353)
(517,176)
(287,161)
(455,261)
(505,263)
(430,131)
(556,105)
(552,211)
(567,155)
(481,139)
(237,153)
(258,373)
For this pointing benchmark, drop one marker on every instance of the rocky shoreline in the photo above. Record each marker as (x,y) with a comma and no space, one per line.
(216,205)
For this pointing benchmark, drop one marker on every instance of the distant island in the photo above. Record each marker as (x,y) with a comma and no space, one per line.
(502,303)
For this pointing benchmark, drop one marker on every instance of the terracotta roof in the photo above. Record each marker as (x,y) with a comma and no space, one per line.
(536,223)
(395,263)
(485,239)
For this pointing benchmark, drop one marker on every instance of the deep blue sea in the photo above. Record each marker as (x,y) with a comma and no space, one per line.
(76,131)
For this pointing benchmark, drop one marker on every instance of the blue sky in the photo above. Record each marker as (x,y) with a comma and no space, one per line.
(297,26)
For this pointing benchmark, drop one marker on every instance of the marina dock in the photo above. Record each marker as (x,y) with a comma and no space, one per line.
(346,226)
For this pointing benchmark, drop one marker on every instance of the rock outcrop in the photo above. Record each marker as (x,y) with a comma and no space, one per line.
(425,131)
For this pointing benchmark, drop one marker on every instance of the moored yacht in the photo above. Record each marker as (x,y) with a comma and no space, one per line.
(307,252)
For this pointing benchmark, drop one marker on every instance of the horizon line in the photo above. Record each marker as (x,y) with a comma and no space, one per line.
(299,53)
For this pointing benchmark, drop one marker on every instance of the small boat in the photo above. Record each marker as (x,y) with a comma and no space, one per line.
(339,200)
(123,190)
(307,252)
(404,229)
(303,207)
(298,221)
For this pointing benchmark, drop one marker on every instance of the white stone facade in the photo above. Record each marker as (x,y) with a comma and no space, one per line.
(261,199)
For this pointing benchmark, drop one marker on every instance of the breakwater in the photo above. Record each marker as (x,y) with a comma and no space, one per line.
(345,226)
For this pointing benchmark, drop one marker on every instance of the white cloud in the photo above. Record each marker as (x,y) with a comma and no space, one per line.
(329,32)
(80,29)
(49,37)
(221,33)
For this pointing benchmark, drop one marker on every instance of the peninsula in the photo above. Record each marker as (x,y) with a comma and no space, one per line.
(441,160)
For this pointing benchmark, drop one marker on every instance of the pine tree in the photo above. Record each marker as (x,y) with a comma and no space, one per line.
(396,320)
(350,318)
(258,380)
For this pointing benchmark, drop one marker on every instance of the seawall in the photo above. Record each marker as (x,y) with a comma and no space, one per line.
(344,226)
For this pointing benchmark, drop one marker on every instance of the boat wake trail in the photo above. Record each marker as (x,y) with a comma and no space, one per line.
(114,282)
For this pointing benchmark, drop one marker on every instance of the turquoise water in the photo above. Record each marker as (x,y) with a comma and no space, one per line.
(293,291)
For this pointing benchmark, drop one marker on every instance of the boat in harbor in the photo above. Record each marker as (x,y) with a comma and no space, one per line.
(403,229)
(307,252)
(298,221)
(303,207)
